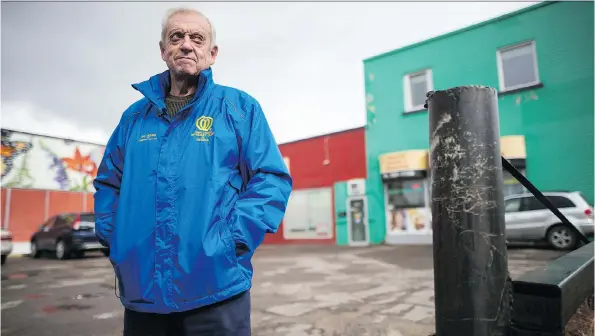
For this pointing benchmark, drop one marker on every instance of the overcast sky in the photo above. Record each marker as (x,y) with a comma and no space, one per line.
(67,67)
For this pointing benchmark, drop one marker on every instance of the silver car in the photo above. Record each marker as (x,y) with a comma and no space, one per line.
(529,220)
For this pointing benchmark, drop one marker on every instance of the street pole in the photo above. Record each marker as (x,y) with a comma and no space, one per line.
(472,289)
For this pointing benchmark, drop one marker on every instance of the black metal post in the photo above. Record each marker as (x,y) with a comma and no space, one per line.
(472,288)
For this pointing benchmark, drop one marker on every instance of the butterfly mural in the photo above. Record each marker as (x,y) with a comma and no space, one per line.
(11,150)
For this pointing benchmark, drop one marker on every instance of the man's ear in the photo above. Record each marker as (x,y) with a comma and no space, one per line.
(162,50)
(214,53)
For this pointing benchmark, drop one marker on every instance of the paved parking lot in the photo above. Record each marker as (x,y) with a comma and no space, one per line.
(313,290)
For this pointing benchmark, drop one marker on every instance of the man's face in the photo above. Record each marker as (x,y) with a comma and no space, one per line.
(186,48)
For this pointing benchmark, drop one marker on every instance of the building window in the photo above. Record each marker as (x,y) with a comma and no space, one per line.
(416,85)
(517,66)
(309,214)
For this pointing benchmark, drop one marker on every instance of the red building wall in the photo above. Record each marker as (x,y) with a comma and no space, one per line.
(23,210)
(320,162)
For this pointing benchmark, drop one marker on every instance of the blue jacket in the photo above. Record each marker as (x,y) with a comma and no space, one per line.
(184,202)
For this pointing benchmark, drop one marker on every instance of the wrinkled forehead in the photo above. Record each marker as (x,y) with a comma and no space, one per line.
(188,22)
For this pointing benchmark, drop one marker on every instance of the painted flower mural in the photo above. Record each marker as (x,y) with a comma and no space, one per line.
(40,162)
(83,165)
(58,166)
(73,173)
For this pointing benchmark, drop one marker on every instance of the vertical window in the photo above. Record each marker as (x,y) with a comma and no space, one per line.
(416,85)
(517,66)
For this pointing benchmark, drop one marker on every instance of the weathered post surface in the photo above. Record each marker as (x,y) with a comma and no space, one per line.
(472,288)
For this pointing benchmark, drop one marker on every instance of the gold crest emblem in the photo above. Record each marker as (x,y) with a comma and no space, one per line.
(204,123)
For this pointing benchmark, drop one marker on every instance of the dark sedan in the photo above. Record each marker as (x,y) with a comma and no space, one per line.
(67,235)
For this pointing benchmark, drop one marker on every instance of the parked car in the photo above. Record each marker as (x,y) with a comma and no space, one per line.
(529,220)
(6,245)
(68,235)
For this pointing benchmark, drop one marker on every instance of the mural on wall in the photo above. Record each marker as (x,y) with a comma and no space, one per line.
(10,151)
(39,162)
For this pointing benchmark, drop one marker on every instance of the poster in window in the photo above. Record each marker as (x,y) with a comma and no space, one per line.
(406,205)
(408,220)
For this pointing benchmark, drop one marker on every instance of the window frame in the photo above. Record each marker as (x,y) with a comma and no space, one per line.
(407,89)
(501,82)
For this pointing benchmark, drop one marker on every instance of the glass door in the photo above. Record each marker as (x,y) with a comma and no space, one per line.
(357,220)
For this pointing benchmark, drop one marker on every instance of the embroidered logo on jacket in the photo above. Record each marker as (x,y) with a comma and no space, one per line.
(147,137)
(204,125)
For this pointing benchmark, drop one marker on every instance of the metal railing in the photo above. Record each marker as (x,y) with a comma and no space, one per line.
(474,294)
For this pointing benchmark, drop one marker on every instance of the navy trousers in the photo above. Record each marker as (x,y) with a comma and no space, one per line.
(227,318)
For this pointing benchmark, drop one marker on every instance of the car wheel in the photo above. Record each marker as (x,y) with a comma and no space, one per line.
(35,253)
(561,237)
(4,257)
(61,250)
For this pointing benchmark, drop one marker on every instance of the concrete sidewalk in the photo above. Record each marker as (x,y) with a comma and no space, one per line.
(379,290)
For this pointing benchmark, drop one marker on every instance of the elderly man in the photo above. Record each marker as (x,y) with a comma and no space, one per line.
(190,182)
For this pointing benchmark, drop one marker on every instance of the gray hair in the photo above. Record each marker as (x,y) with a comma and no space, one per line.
(186,10)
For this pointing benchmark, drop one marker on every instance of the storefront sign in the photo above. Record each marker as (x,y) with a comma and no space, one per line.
(404,164)
(404,174)
(513,147)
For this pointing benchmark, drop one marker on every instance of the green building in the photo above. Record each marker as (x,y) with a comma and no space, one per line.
(539,58)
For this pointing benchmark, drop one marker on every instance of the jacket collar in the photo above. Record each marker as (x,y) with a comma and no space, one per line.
(155,88)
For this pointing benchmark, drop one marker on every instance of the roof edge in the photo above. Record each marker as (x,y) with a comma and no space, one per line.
(353,129)
(53,137)
(462,30)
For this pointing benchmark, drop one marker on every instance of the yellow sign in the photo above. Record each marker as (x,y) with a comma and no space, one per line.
(403,161)
(513,147)
(204,132)
(204,123)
